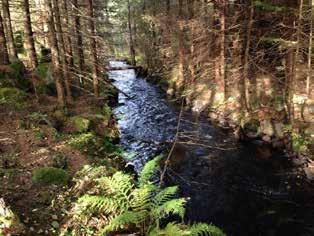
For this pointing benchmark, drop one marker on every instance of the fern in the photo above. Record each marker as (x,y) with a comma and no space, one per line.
(174,206)
(165,195)
(93,204)
(141,197)
(149,170)
(172,229)
(127,218)
(123,204)
(202,229)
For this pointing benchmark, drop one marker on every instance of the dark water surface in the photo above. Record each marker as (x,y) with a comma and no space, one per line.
(228,184)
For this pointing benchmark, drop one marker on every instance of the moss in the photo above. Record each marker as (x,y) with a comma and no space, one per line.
(263,6)
(251,125)
(50,175)
(79,124)
(84,142)
(17,74)
(42,70)
(13,97)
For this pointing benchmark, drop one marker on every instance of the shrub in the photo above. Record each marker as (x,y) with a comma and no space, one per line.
(13,97)
(84,142)
(79,124)
(50,175)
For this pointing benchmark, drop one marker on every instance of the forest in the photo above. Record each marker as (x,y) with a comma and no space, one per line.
(157,117)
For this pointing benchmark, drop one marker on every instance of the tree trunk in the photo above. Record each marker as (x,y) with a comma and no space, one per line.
(4,56)
(132,50)
(62,50)
(221,66)
(29,36)
(246,67)
(8,26)
(69,50)
(295,63)
(93,47)
(55,56)
(79,40)
(168,7)
(309,62)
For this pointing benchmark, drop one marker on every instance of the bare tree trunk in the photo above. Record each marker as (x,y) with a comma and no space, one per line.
(222,48)
(69,50)
(79,41)
(295,63)
(93,47)
(309,72)
(55,56)
(8,26)
(4,56)
(167,7)
(132,50)
(246,66)
(62,51)
(29,35)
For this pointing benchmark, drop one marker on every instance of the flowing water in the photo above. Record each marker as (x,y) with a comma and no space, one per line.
(227,183)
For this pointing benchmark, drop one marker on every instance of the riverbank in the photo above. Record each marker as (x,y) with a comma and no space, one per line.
(43,147)
(263,127)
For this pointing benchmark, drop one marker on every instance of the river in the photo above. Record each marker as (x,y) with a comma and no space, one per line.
(227,183)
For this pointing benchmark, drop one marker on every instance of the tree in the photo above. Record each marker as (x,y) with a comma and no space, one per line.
(29,35)
(131,43)
(78,48)
(55,55)
(4,56)
(93,47)
(8,27)
(62,50)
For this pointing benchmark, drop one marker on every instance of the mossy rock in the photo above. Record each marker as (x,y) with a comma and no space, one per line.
(50,175)
(251,125)
(46,85)
(13,75)
(13,97)
(99,123)
(85,143)
(18,75)
(78,124)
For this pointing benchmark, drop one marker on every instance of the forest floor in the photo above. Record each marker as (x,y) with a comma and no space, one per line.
(31,139)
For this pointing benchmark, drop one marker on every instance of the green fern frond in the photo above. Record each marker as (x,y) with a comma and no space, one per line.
(174,206)
(172,229)
(125,219)
(96,204)
(149,170)
(119,184)
(202,229)
(165,195)
(141,197)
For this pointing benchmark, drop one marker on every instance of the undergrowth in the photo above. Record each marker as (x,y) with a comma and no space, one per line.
(119,204)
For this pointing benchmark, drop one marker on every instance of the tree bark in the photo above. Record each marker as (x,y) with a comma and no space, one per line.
(69,50)
(79,40)
(55,56)
(29,35)
(132,50)
(246,66)
(93,47)
(8,26)
(4,56)
(62,51)
(309,62)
